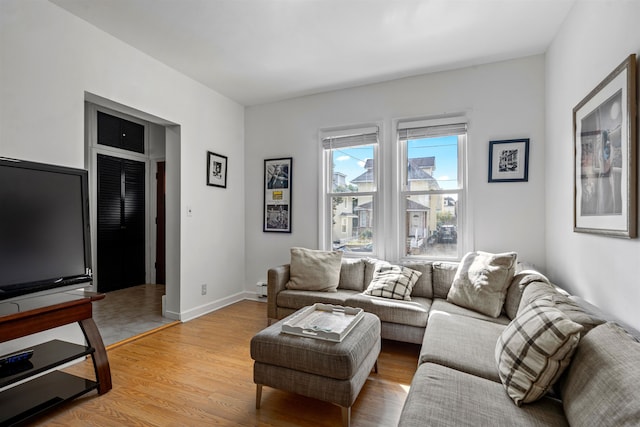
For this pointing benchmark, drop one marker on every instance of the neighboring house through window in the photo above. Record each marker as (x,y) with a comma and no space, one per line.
(350,189)
(431,193)
(426,188)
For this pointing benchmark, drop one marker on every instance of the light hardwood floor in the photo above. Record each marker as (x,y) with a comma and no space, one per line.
(199,373)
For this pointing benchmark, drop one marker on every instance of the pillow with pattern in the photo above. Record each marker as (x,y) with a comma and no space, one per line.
(392,281)
(534,350)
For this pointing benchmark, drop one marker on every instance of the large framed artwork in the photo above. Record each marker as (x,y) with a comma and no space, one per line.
(605,141)
(509,160)
(277,195)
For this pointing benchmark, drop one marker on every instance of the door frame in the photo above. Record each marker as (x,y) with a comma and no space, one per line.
(169,149)
(93,149)
(153,215)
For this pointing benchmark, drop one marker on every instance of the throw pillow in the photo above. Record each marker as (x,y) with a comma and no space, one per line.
(393,281)
(312,270)
(534,349)
(481,281)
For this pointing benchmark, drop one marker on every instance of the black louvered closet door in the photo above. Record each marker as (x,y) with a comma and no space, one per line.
(121,216)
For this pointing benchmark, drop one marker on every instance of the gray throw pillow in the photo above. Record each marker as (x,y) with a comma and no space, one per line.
(481,281)
(313,270)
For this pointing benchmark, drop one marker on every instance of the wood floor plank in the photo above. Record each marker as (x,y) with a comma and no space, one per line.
(200,373)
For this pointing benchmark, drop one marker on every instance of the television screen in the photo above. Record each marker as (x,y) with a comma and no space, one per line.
(44,227)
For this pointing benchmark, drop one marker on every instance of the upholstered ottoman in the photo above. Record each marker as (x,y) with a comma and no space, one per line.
(330,371)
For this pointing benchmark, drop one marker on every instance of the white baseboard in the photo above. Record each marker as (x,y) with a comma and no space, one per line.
(195,312)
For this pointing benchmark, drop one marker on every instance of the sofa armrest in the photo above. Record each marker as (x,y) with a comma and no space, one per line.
(277,278)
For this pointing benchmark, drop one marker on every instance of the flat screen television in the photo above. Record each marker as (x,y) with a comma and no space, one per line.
(45,240)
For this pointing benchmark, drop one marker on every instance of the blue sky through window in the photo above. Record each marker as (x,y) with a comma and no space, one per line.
(350,161)
(445,151)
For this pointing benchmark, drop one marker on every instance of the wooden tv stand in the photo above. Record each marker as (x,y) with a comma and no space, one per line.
(29,316)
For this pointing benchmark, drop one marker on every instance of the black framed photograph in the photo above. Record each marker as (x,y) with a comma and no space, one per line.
(277,195)
(605,144)
(509,160)
(216,170)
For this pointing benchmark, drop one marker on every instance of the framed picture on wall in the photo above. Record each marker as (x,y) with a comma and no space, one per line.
(277,195)
(605,141)
(509,160)
(216,170)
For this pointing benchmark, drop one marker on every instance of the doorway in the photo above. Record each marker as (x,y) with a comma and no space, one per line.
(121,223)
(160,152)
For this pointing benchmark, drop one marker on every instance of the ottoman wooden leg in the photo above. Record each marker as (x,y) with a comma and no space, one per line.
(346,416)
(258,395)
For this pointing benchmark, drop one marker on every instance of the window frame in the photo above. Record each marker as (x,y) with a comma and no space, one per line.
(402,192)
(326,178)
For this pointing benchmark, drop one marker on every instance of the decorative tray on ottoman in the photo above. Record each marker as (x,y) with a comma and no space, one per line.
(323,321)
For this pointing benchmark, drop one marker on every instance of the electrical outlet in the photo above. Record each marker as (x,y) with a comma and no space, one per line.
(204,289)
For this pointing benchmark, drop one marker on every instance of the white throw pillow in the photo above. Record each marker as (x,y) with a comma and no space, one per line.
(392,281)
(534,349)
(482,280)
(312,270)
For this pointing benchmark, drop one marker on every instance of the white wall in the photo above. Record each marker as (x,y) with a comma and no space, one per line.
(595,38)
(502,101)
(50,58)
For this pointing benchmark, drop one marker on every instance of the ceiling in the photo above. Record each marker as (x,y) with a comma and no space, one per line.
(259,51)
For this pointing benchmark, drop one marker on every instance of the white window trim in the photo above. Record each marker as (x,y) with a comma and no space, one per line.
(324,214)
(399,189)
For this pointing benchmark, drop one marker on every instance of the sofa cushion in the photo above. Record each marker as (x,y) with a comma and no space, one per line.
(534,349)
(298,299)
(600,387)
(451,340)
(538,290)
(403,333)
(352,274)
(516,289)
(481,281)
(440,304)
(600,316)
(370,265)
(424,285)
(440,396)
(443,274)
(392,281)
(412,313)
(313,270)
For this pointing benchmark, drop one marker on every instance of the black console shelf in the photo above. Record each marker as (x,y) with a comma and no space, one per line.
(27,400)
(45,357)
(19,403)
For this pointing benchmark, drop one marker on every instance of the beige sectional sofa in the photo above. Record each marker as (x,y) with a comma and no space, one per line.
(464,378)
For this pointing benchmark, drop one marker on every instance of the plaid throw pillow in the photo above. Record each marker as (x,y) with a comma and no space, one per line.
(393,281)
(534,349)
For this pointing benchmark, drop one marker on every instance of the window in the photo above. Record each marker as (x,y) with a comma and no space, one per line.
(431,200)
(350,182)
